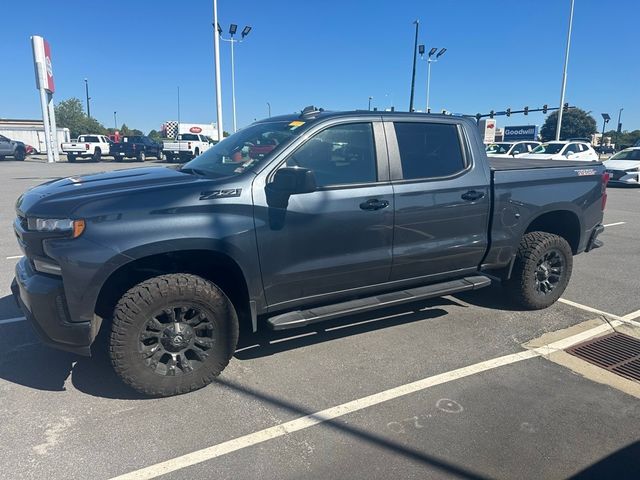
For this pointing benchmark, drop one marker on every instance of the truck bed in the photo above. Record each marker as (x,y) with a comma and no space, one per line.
(501,164)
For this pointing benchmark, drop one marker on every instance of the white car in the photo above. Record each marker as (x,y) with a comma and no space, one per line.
(510,149)
(564,150)
(624,166)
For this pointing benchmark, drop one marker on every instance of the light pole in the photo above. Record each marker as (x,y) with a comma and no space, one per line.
(605,120)
(233,28)
(390,96)
(86,89)
(115,121)
(370,98)
(564,73)
(430,60)
(216,57)
(413,74)
(619,128)
(269,108)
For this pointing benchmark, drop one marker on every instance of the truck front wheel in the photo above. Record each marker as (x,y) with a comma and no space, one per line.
(172,334)
(541,270)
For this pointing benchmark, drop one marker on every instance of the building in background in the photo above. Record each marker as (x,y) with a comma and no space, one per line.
(170,129)
(31,132)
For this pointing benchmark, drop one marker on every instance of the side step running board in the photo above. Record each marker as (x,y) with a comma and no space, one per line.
(301,318)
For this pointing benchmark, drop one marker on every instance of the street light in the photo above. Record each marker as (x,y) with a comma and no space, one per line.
(86,88)
(605,118)
(233,28)
(269,107)
(619,128)
(115,121)
(370,98)
(216,61)
(430,59)
(564,73)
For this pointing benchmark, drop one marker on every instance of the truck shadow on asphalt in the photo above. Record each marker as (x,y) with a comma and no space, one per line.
(25,361)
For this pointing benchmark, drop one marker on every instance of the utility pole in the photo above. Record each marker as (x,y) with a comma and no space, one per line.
(269,108)
(216,56)
(86,88)
(115,121)
(564,73)
(413,74)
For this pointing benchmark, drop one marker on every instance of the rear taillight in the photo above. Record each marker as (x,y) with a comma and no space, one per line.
(605,181)
(86,146)
(189,145)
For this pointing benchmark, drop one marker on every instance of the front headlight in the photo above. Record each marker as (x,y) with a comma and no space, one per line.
(57,225)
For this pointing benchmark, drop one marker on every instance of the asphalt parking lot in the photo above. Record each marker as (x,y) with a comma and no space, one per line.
(460,387)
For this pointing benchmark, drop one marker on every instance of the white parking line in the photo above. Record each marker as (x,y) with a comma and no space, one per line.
(317,418)
(613,224)
(12,320)
(629,318)
(14,257)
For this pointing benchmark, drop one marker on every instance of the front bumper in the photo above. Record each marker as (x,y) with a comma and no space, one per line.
(42,299)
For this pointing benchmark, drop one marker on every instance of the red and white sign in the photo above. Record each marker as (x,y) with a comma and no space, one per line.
(42,64)
(195,129)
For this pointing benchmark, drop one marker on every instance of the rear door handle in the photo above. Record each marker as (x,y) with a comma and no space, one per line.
(472,195)
(374,204)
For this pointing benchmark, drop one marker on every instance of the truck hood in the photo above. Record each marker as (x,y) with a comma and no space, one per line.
(61,196)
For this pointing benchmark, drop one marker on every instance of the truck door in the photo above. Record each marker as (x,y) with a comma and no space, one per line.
(442,199)
(338,238)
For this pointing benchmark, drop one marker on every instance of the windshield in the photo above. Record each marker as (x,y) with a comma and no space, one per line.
(626,155)
(549,148)
(245,149)
(499,147)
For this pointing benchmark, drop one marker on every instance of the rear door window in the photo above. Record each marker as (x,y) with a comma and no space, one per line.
(429,150)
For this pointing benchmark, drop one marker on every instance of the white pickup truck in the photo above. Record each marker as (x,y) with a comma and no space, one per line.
(186,146)
(87,146)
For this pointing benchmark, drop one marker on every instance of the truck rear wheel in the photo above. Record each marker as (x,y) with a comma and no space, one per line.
(141,157)
(541,271)
(20,154)
(71,158)
(172,334)
(96,155)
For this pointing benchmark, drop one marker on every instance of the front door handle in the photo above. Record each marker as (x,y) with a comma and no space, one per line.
(374,204)
(472,195)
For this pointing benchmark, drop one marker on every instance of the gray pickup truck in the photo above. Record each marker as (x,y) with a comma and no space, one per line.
(293,220)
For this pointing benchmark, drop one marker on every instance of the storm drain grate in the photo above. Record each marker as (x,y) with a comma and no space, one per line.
(616,352)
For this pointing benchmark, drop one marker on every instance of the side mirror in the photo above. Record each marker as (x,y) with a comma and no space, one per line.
(517,152)
(569,154)
(289,181)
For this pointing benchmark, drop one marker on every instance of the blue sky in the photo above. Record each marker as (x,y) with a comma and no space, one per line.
(329,53)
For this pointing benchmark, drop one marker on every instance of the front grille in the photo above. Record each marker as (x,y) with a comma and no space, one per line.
(616,352)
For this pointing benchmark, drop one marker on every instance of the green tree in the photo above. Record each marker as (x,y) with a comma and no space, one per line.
(70,114)
(623,139)
(155,135)
(575,123)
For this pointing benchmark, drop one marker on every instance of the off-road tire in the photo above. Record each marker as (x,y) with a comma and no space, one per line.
(138,308)
(523,285)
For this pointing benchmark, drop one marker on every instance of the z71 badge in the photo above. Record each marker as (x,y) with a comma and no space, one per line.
(224,193)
